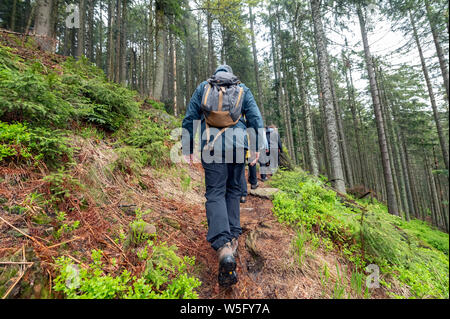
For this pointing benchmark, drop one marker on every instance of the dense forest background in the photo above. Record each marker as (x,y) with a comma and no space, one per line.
(362,118)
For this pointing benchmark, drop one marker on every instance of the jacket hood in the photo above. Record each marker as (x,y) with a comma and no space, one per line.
(224,68)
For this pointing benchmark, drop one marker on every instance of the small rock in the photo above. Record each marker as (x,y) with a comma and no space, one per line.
(17,234)
(171,222)
(139,231)
(128,209)
(267,193)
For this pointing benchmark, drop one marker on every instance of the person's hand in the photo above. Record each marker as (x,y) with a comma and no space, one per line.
(255,157)
(189,159)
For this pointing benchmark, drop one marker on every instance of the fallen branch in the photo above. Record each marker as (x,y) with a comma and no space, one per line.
(16,282)
(64,242)
(16,263)
(26,235)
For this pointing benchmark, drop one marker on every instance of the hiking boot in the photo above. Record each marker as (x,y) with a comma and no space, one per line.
(227,266)
(254,186)
(264,179)
(243,199)
(234,246)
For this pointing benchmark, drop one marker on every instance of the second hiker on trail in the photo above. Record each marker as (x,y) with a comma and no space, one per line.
(219,106)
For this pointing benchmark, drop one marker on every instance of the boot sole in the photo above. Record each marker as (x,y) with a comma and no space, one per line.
(227,272)
(228,279)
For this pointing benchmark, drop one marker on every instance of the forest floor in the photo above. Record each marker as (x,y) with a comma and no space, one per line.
(267,263)
(105,206)
(91,201)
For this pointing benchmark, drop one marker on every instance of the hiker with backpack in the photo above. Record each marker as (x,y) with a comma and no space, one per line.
(218,106)
(252,178)
(272,136)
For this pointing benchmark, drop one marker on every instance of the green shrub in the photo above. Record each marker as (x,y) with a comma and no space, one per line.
(130,160)
(76,90)
(61,184)
(150,138)
(30,96)
(18,141)
(412,252)
(165,277)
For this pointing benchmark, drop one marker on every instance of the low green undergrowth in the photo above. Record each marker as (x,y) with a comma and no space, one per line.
(147,138)
(19,142)
(165,277)
(411,252)
(55,97)
(39,103)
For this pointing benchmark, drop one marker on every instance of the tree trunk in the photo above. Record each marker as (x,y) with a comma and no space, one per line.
(82,30)
(434,195)
(305,106)
(444,206)
(341,132)
(90,33)
(390,192)
(285,97)
(439,51)
(150,66)
(356,124)
(123,44)
(255,63)
(118,40)
(43,25)
(12,24)
(159,63)
(412,184)
(109,41)
(174,67)
(442,139)
(99,49)
(210,40)
(337,174)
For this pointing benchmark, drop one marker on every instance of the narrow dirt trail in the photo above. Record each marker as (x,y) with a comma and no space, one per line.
(267,264)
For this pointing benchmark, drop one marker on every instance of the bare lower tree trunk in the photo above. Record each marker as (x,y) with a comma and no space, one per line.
(444,203)
(356,124)
(123,43)
(174,66)
(109,41)
(90,32)
(341,132)
(99,49)
(255,63)
(150,67)
(43,25)
(209,19)
(412,183)
(442,139)
(118,41)
(434,195)
(12,24)
(82,30)
(409,196)
(439,51)
(159,62)
(337,174)
(389,183)
(305,107)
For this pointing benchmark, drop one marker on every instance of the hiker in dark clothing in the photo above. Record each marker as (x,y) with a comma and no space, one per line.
(252,178)
(272,129)
(220,103)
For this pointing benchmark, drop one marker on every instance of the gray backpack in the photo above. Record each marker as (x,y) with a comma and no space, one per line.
(222,100)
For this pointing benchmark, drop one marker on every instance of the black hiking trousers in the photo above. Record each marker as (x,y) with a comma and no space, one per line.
(252,179)
(223,193)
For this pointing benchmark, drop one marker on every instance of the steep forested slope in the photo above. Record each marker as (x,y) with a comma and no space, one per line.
(92,207)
